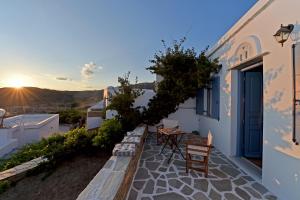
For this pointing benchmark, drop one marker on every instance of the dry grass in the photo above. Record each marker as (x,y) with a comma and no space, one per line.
(65,183)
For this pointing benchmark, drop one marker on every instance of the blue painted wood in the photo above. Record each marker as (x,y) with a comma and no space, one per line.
(253,127)
(215,112)
(200,101)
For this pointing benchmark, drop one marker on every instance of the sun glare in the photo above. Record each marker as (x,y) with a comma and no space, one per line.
(16,81)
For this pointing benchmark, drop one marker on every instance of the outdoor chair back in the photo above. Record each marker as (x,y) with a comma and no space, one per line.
(196,149)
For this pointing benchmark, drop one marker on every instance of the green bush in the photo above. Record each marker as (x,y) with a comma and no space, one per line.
(70,116)
(28,152)
(109,134)
(58,148)
(73,142)
(55,148)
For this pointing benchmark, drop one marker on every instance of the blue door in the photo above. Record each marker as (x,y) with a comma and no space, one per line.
(253,107)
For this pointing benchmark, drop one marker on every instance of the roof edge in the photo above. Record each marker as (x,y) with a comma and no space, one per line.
(253,12)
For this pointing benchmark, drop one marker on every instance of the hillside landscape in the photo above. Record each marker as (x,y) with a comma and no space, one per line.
(38,100)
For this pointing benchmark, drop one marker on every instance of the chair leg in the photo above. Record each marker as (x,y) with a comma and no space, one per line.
(206,167)
(186,161)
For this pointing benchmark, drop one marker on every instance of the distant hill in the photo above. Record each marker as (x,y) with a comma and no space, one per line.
(37,100)
(29,96)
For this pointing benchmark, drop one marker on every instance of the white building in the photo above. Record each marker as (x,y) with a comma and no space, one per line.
(24,129)
(249,108)
(95,113)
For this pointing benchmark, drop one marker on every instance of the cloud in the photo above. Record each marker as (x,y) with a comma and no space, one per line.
(88,70)
(62,78)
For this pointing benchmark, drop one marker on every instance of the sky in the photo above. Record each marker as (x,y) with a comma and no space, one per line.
(86,45)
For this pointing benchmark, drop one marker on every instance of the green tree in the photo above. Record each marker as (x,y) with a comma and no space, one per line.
(123,101)
(183,72)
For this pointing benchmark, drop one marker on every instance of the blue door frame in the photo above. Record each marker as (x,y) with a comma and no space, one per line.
(251,113)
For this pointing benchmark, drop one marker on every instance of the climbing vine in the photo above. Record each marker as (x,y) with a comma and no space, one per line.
(183,72)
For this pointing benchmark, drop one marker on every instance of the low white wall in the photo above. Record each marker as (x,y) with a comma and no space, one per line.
(143,100)
(186,115)
(24,129)
(93,122)
(34,133)
(7,142)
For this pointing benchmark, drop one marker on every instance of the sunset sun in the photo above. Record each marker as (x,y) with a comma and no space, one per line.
(17,81)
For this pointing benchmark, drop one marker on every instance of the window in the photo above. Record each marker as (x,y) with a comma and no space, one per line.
(208,100)
(199,102)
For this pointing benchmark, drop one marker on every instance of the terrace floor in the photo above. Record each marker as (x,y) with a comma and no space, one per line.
(155,179)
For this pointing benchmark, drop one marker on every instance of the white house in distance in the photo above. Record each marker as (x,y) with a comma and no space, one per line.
(250,108)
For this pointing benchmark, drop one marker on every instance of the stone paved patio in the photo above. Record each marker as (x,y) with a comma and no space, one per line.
(155,179)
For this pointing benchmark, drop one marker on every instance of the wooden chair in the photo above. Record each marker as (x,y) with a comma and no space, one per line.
(166,123)
(196,148)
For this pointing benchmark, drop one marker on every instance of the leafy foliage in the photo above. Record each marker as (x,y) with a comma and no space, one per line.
(123,101)
(28,152)
(58,148)
(183,72)
(71,116)
(109,134)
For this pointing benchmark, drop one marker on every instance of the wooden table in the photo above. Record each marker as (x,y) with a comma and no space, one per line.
(172,140)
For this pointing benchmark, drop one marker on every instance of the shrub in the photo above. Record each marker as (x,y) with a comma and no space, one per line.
(122,102)
(55,148)
(70,116)
(109,134)
(28,152)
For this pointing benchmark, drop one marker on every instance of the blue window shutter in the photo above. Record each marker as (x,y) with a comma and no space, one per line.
(199,101)
(216,97)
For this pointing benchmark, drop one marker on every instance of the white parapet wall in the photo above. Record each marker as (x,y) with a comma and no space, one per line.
(185,115)
(95,114)
(25,129)
(113,181)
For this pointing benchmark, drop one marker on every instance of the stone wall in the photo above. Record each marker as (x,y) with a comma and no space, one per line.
(113,181)
(18,172)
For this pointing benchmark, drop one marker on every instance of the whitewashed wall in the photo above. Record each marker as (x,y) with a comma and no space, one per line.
(93,122)
(141,101)
(34,133)
(25,129)
(281,157)
(186,115)
(7,142)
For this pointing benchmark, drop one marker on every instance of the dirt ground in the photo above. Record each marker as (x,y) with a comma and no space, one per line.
(66,183)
